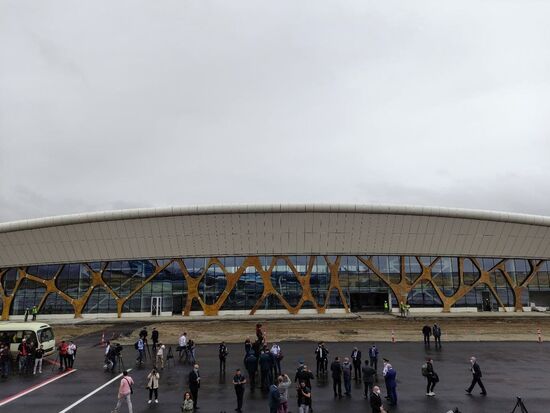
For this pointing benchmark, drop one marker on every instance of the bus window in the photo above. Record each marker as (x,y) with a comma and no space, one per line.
(45,335)
(30,336)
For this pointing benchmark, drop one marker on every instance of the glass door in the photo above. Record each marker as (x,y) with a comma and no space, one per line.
(156,306)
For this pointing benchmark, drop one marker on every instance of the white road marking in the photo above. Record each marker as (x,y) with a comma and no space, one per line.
(36,387)
(65,410)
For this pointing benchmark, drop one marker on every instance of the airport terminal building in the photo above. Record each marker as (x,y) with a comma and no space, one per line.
(255,259)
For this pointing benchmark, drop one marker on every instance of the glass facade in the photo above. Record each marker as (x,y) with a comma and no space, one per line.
(212,284)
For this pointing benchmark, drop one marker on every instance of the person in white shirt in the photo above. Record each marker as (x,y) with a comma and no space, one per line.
(71,354)
(276,356)
(160,355)
(182,344)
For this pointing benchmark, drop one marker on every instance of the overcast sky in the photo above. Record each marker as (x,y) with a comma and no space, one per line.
(123,104)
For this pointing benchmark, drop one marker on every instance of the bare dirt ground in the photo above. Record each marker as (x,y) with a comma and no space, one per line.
(371,328)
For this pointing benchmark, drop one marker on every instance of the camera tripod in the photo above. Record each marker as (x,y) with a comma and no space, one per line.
(120,363)
(520,405)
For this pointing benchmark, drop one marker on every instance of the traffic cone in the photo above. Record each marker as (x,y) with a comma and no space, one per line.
(102,343)
(539,335)
(392,336)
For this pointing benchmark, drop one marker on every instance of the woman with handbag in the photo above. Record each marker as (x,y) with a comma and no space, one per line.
(153,385)
(187,405)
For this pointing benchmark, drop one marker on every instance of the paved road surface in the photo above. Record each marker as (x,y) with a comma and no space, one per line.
(509,369)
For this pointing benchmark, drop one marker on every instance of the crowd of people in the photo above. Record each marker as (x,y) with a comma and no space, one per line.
(263,365)
(30,356)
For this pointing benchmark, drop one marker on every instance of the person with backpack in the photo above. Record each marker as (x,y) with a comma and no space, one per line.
(153,385)
(436,331)
(431,377)
(125,391)
(274,398)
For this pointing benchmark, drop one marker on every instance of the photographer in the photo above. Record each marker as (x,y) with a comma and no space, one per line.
(153,385)
(304,397)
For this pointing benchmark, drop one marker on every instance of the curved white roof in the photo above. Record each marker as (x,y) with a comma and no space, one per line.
(273,229)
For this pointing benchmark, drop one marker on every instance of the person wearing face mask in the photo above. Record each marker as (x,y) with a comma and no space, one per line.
(376,401)
(195,384)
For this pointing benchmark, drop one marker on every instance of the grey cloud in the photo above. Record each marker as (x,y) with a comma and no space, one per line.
(119,104)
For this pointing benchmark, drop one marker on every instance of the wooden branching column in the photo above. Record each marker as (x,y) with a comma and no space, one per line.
(400,289)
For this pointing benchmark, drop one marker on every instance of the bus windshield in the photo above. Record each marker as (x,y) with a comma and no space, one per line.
(45,334)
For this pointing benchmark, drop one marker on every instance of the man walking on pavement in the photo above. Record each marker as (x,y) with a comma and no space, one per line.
(336,369)
(239,381)
(356,360)
(431,377)
(476,377)
(34,312)
(124,392)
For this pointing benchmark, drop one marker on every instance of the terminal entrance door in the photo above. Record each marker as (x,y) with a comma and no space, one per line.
(156,306)
(367,301)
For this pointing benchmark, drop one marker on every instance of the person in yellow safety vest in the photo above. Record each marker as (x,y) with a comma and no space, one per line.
(386,308)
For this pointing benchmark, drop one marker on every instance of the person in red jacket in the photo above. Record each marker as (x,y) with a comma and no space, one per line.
(63,355)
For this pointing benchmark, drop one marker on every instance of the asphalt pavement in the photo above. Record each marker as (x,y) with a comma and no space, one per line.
(510,369)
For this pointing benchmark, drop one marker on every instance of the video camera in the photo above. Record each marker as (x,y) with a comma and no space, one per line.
(118,349)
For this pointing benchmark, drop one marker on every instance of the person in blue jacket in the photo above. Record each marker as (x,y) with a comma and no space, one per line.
(391,382)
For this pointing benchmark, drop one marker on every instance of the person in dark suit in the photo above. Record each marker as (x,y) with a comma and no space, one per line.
(251,364)
(356,361)
(336,369)
(195,384)
(476,373)
(376,401)
(436,330)
(239,381)
(369,375)
(427,332)
(321,356)
(266,378)
(222,354)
